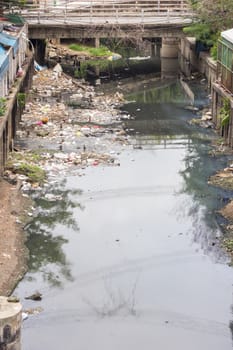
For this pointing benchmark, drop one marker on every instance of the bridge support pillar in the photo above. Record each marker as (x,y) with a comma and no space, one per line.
(169,68)
(169,48)
(97,42)
(154,52)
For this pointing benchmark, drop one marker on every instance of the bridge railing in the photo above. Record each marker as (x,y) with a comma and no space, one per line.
(61,10)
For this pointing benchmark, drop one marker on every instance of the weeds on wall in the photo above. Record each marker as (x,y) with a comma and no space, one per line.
(225,112)
(21,99)
(2,106)
(204,34)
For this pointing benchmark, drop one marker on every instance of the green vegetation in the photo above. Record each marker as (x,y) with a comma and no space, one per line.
(77,47)
(225,111)
(172,93)
(10,3)
(217,14)
(2,106)
(26,163)
(21,99)
(32,171)
(227,241)
(101,51)
(102,65)
(213,17)
(202,32)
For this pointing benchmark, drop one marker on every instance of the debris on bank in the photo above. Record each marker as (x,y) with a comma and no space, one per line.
(66,126)
(204,119)
(223,178)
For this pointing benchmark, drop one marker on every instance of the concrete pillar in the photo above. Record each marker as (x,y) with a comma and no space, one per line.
(153,49)
(158,49)
(169,68)
(169,48)
(10,324)
(97,42)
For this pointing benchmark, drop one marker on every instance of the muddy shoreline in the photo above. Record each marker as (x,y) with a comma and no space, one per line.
(13,252)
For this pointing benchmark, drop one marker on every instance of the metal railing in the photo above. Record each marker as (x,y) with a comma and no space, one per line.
(65,11)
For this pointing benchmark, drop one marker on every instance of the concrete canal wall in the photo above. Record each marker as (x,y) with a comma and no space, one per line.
(193,61)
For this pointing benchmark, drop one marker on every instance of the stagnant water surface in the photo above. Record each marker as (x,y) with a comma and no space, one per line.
(129,259)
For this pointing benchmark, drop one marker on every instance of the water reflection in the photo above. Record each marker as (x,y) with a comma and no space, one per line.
(163,122)
(231,324)
(168,92)
(45,244)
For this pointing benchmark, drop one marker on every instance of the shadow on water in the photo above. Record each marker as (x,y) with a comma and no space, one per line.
(231,324)
(44,242)
(162,121)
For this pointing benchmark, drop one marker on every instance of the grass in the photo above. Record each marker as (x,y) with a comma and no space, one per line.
(2,106)
(101,51)
(26,164)
(32,171)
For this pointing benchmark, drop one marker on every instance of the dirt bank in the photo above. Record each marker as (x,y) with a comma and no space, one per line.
(13,254)
(224,179)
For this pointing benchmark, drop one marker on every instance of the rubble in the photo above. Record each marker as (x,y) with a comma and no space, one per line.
(68,127)
(204,120)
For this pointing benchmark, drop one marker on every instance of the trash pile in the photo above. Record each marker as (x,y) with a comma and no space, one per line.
(204,119)
(69,126)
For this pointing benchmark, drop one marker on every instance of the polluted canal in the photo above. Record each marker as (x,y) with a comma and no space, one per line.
(125,252)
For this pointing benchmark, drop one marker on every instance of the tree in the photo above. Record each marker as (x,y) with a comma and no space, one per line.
(7,4)
(212,17)
(218,14)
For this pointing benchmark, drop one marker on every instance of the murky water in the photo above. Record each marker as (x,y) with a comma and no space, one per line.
(129,259)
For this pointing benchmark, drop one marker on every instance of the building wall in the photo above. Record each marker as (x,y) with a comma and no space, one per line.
(16,60)
(188,58)
(225,63)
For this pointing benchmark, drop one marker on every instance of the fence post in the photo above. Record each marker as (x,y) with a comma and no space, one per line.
(142,16)
(168,15)
(91,12)
(65,17)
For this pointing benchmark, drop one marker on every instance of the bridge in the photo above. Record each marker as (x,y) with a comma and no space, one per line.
(107,19)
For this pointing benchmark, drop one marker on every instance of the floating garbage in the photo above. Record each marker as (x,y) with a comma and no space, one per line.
(52,197)
(70,139)
(38,67)
(35,296)
(139,58)
(24,316)
(114,57)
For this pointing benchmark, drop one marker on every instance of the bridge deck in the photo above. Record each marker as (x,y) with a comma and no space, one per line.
(100,11)
(106,18)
